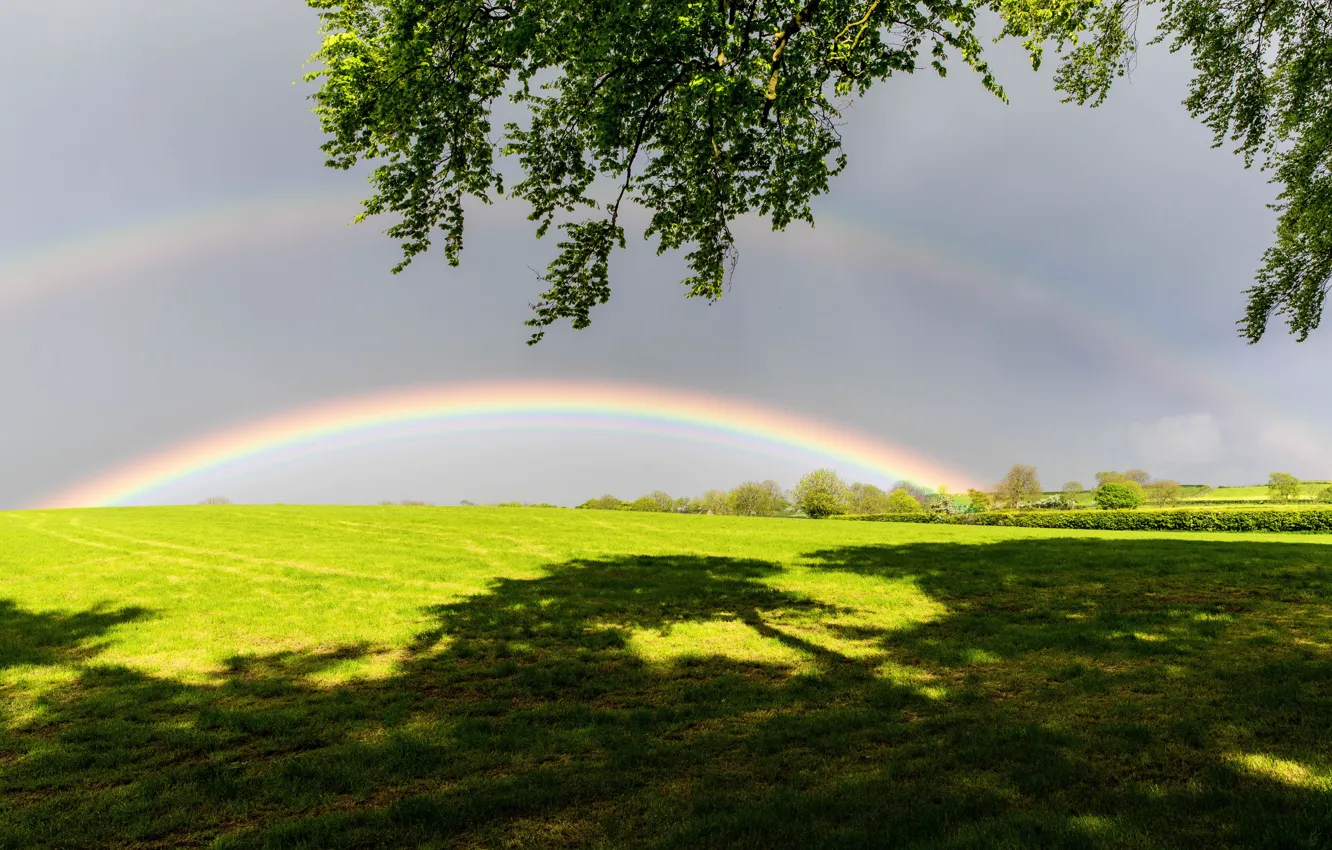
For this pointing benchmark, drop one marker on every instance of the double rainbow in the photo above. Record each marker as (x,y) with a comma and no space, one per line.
(628,408)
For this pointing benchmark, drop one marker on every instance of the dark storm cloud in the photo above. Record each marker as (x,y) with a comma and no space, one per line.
(1123,212)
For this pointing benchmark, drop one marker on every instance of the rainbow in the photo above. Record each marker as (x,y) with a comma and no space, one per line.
(74,262)
(80,261)
(628,408)
(71,264)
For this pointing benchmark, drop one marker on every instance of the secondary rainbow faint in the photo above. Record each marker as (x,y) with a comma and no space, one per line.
(600,406)
(71,264)
(80,260)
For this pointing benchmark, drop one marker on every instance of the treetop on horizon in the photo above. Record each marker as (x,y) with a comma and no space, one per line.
(701,112)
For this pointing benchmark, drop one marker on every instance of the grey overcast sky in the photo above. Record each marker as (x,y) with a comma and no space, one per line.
(987,284)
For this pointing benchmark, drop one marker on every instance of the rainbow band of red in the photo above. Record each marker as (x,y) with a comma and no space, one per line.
(590,406)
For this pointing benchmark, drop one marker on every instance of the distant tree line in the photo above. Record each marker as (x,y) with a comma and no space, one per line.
(823,493)
(819,494)
(1130,489)
(1284,487)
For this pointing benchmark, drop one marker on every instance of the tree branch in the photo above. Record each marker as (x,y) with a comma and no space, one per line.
(784,37)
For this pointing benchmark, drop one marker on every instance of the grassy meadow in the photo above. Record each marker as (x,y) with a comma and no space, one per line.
(1245,497)
(481,677)
(1309,491)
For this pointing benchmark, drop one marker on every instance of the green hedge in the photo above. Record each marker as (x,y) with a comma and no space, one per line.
(1177,519)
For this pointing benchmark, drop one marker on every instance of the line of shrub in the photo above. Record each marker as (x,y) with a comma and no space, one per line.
(1178,519)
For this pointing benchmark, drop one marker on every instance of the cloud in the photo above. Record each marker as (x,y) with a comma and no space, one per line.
(1188,438)
(1295,441)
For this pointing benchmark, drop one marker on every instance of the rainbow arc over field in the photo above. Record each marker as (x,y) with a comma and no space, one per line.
(631,408)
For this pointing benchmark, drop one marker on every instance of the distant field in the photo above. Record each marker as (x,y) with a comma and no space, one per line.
(1221,505)
(1307,492)
(476,677)
(1240,495)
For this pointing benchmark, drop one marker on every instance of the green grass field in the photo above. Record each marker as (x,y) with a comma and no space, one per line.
(1308,491)
(474,677)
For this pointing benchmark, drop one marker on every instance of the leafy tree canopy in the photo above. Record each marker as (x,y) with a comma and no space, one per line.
(1282,487)
(866,499)
(821,493)
(901,501)
(980,500)
(712,502)
(644,503)
(605,503)
(663,501)
(1162,493)
(704,111)
(754,498)
(1020,485)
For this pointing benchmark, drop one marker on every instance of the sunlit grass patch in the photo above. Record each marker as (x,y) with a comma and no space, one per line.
(978,656)
(1092,826)
(920,681)
(1286,771)
(730,639)
(374,665)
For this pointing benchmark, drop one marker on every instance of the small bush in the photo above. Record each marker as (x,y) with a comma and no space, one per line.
(1175,519)
(216,500)
(1117,496)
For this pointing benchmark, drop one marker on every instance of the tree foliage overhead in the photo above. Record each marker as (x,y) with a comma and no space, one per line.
(704,111)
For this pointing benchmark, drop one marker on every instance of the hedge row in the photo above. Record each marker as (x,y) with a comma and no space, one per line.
(1178,519)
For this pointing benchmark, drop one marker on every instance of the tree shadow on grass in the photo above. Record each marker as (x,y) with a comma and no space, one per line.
(1188,683)
(52,638)
(1073,693)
